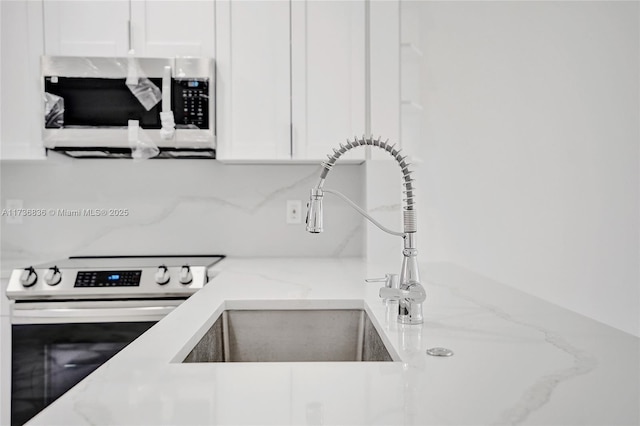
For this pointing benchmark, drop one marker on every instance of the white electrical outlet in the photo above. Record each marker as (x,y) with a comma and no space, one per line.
(294,212)
(10,214)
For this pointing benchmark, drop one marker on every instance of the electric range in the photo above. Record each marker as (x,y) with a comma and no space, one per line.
(70,316)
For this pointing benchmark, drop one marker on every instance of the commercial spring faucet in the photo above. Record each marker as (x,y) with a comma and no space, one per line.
(410,293)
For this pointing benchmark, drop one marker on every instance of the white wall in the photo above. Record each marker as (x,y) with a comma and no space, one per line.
(531,131)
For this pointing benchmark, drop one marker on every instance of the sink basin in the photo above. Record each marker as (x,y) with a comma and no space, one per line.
(307,335)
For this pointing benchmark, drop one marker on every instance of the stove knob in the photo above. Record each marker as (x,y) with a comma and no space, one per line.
(162,275)
(185,275)
(28,277)
(53,276)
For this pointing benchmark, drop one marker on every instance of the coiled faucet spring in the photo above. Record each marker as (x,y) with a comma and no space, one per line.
(409,208)
(411,292)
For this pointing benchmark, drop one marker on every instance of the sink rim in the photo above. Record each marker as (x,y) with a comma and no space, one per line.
(288,305)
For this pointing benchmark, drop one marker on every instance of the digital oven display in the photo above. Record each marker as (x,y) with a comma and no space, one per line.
(108,279)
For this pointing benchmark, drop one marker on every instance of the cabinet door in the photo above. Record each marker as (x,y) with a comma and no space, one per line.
(86,28)
(328,70)
(173,28)
(253,80)
(20,96)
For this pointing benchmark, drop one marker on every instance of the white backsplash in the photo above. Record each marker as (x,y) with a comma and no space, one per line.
(175,207)
(384,203)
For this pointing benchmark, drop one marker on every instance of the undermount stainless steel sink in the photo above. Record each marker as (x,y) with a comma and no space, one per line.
(307,335)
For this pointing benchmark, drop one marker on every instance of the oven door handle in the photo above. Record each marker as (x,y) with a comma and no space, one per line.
(93,314)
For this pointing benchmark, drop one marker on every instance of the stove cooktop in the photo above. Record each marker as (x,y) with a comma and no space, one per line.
(113,277)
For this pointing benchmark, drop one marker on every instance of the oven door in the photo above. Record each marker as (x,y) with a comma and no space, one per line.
(57,344)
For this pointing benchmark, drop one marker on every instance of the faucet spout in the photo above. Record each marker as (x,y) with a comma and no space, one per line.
(314,212)
(410,308)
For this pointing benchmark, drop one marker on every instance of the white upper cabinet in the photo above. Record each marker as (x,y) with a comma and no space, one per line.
(291,78)
(328,76)
(86,28)
(20,97)
(290,75)
(253,80)
(173,28)
(111,28)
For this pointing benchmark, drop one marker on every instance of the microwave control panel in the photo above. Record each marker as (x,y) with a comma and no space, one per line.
(191,103)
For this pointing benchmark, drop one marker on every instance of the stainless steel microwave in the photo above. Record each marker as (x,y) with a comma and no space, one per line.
(114,107)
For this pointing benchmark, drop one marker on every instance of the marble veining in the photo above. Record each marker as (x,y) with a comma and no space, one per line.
(222,202)
(348,238)
(77,408)
(386,208)
(166,211)
(303,290)
(539,393)
(531,384)
(12,251)
(307,180)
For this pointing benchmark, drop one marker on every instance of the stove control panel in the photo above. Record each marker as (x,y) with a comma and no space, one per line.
(108,278)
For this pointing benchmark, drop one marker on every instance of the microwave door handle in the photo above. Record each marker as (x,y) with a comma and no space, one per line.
(166,89)
(167,120)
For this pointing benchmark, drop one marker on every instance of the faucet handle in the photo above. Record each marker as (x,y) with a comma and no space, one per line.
(414,293)
(389,280)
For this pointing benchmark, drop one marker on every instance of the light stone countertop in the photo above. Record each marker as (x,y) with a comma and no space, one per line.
(518,360)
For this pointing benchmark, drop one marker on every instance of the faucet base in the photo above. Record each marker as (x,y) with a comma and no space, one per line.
(409,320)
